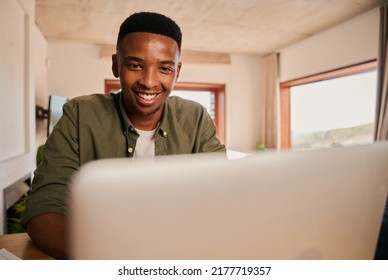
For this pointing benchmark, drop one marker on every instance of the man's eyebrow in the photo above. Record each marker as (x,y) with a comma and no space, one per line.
(167,62)
(138,59)
(132,58)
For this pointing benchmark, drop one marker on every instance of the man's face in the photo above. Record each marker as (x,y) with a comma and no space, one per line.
(148,67)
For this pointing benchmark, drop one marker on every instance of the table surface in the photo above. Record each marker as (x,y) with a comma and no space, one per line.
(22,246)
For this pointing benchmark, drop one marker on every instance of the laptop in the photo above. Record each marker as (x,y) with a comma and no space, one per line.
(325,204)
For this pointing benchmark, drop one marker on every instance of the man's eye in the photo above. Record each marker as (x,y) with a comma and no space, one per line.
(166,69)
(134,66)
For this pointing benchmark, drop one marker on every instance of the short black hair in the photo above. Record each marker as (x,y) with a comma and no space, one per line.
(151,22)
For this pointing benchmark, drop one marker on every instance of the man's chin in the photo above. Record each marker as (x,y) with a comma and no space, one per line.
(147,112)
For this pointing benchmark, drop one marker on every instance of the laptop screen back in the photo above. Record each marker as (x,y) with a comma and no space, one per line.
(325,204)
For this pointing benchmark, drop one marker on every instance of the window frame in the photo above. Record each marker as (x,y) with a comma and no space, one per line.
(112,85)
(285,94)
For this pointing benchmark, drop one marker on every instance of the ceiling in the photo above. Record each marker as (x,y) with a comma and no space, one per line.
(218,26)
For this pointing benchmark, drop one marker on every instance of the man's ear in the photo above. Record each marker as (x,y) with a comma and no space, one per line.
(178,71)
(115,69)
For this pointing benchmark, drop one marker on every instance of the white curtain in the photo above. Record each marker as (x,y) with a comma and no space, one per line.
(269,102)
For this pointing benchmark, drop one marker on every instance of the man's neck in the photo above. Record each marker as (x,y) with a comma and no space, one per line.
(146,123)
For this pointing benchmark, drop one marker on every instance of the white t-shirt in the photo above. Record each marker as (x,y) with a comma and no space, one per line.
(145,145)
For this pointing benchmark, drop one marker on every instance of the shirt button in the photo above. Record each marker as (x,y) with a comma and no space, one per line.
(165,133)
(130,150)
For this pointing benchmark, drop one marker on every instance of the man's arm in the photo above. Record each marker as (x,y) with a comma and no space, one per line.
(209,141)
(45,217)
(49,232)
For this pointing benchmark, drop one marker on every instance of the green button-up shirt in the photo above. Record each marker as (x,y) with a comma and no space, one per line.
(96,127)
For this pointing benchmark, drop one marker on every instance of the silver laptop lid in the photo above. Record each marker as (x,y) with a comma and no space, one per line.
(325,204)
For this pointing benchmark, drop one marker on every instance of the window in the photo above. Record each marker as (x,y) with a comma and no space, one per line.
(331,109)
(211,96)
(204,97)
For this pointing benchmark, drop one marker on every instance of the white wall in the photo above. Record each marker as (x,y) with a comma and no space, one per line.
(76,69)
(17,104)
(348,43)
(242,103)
(205,73)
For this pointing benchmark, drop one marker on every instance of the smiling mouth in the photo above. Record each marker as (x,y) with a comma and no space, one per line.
(147,96)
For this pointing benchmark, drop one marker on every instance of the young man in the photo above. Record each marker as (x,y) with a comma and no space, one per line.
(139,121)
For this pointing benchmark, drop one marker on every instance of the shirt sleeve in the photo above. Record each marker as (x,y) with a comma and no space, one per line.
(208,141)
(50,185)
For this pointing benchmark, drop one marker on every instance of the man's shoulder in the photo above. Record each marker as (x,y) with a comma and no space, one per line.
(92,100)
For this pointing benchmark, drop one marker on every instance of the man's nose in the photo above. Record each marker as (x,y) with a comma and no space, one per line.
(149,78)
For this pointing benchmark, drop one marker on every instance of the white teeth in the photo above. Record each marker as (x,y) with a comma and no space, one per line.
(147,96)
